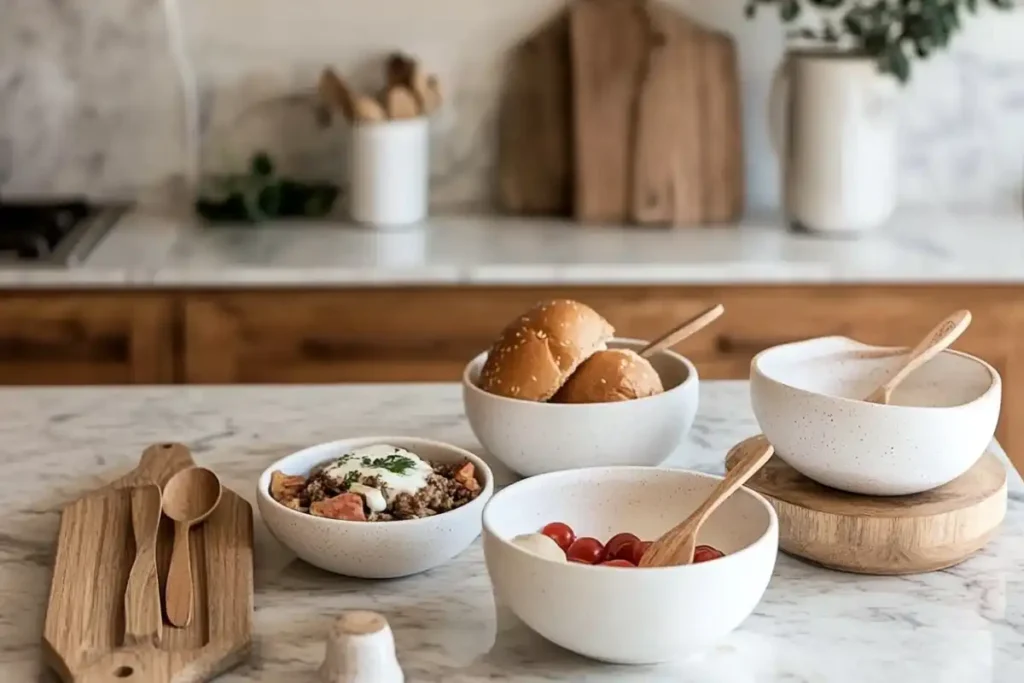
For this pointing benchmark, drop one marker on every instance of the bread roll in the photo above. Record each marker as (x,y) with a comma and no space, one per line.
(537,352)
(612,375)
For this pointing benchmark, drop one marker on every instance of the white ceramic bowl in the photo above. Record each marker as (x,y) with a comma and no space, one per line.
(629,615)
(533,438)
(374,550)
(806,397)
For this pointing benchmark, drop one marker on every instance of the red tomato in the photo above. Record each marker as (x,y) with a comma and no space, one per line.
(705,553)
(617,563)
(586,549)
(560,533)
(638,549)
(619,547)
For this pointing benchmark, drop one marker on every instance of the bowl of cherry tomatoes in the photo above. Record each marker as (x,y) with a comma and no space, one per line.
(562,551)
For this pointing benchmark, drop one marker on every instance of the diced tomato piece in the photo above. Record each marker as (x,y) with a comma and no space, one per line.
(347,506)
(466,475)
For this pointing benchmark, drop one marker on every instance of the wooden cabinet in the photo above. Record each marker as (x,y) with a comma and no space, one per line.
(60,338)
(429,333)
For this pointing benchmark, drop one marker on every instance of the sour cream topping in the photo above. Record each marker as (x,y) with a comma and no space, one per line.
(400,470)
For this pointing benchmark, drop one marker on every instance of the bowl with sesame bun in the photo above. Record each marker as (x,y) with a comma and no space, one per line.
(557,390)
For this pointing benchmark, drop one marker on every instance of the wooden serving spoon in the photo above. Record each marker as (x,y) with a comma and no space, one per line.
(682,331)
(677,545)
(143,620)
(938,340)
(189,498)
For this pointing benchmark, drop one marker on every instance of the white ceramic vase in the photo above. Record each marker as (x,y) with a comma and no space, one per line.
(833,125)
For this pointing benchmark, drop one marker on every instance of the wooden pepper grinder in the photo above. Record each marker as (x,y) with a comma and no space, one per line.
(360,649)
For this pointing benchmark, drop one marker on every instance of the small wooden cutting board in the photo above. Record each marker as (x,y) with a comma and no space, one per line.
(883,534)
(83,638)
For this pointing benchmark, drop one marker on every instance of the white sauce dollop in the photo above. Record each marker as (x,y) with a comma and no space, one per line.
(540,545)
(401,471)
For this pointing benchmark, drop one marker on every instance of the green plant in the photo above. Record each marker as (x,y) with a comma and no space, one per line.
(889,31)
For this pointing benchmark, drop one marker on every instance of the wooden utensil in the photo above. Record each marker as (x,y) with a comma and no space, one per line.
(885,535)
(367,110)
(401,103)
(143,618)
(336,93)
(938,340)
(677,545)
(682,331)
(84,629)
(399,69)
(189,498)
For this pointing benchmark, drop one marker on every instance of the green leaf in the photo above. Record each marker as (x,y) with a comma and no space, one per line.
(751,9)
(972,5)
(789,10)
(899,64)
(852,26)
(261,165)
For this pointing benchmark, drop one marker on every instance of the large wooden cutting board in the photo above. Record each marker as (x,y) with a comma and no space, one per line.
(84,630)
(534,140)
(656,116)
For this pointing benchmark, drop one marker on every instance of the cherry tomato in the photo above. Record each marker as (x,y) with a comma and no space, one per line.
(617,563)
(637,551)
(619,547)
(586,549)
(560,533)
(705,553)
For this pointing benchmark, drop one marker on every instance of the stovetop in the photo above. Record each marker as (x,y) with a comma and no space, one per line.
(52,233)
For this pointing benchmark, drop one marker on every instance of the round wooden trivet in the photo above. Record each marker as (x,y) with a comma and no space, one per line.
(878,534)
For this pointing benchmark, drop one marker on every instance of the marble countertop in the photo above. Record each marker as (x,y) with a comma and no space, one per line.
(149,248)
(961,625)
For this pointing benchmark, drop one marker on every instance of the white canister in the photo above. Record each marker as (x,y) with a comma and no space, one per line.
(389,171)
(833,125)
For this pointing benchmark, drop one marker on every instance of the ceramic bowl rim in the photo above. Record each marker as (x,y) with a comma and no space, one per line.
(691,377)
(263,483)
(995,381)
(762,539)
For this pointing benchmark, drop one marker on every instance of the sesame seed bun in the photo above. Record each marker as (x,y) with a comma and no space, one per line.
(537,352)
(612,375)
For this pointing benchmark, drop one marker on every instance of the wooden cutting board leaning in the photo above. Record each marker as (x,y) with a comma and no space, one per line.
(650,131)
(93,634)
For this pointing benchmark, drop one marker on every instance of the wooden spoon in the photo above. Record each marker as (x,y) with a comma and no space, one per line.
(682,331)
(677,545)
(189,498)
(143,620)
(937,341)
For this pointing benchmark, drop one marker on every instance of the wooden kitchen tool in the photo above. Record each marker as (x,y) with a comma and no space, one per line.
(656,116)
(85,621)
(535,158)
(143,618)
(935,342)
(885,535)
(682,331)
(677,545)
(190,497)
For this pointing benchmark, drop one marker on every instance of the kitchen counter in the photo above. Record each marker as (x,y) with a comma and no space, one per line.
(962,625)
(150,249)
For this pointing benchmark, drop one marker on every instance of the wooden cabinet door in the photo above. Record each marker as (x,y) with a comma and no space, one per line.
(59,338)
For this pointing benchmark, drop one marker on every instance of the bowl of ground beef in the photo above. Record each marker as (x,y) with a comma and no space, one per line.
(376,507)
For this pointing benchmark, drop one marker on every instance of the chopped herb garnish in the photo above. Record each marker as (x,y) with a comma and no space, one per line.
(399,464)
(350,478)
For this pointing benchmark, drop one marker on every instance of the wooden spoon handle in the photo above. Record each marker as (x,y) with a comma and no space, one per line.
(938,340)
(143,620)
(179,579)
(682,331)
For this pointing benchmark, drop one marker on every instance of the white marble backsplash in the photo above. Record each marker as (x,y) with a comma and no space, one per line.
(92,100)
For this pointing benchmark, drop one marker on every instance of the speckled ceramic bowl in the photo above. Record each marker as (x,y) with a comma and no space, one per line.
(534,438)
(807,399)
(374,550)
(629,615)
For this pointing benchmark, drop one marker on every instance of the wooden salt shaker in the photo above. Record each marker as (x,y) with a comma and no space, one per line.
(360,649)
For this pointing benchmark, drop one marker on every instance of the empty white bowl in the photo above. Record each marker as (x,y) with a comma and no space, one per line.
(374,550)
(629,615)
(533,438)
(807,398)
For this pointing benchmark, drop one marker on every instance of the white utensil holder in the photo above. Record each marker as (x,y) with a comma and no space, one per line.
(389,172)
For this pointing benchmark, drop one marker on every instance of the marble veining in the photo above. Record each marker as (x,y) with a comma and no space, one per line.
(166,249)
(961,625)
